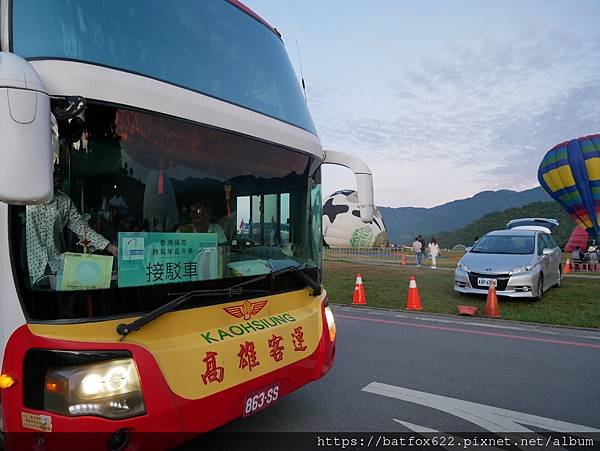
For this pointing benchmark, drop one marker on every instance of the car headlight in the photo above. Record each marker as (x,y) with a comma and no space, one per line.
(464,267)
(519,270)
(108,389)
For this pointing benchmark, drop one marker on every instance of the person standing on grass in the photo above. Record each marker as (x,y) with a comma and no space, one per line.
(418,250)
(434,251)
(423,248)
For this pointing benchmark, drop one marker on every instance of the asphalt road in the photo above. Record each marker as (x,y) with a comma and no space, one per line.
(390,364)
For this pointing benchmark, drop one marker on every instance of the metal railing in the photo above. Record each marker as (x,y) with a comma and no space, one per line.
(369,255)
(387,256)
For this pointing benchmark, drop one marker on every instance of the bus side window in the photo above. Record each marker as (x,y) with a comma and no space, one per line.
(284,219)
(271,224)
(256,219)
(243,216)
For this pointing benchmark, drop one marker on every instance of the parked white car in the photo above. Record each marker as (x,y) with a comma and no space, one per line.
(522,262)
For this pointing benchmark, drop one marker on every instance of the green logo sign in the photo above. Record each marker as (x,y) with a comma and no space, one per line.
(158,258)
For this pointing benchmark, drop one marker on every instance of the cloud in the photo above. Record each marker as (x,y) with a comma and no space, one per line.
(574,113)
(494,108)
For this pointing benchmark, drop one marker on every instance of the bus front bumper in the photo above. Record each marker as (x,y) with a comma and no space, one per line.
(171,418)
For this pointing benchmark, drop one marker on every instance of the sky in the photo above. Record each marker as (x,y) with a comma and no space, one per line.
(443,99)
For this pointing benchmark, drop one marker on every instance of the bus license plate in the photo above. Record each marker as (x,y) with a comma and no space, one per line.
(261,399)
(483,282)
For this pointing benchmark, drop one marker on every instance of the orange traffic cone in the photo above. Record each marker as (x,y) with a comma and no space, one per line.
(359,292)
(413,302)
(567,268)
(492,310)
(403,260)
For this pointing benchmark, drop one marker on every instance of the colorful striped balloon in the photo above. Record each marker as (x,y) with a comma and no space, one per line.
(570,173)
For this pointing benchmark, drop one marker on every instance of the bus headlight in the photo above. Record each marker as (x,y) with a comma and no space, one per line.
(330,324)
(108,389)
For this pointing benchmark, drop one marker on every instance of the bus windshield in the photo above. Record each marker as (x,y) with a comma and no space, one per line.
(147,206)
(210,47)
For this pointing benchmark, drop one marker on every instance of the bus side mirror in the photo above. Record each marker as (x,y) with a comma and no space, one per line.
(364,181)
(25,134)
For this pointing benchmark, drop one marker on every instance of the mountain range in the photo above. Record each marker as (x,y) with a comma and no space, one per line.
(498,220)
(404,223)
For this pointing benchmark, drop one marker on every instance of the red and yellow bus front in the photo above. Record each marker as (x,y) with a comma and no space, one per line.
(186,372)
(209,239)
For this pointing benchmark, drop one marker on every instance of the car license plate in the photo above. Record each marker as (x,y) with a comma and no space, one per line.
(261,399)
(484,282)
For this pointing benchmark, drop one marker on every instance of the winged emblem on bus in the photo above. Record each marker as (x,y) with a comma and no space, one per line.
(246,310)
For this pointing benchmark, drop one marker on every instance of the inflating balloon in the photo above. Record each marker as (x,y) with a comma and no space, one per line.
(342,226)
(579,237)
(570,173)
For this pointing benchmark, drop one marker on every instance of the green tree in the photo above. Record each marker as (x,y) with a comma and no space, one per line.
(499,219)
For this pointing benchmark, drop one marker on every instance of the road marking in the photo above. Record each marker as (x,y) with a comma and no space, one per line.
(466,323)
(415,427)
(491,418)
(474,332)
(498,326)
(535,329)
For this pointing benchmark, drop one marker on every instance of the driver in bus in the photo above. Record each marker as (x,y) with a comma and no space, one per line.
(44,234)
(201,215)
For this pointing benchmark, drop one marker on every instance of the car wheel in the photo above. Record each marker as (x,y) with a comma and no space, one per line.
(540,289)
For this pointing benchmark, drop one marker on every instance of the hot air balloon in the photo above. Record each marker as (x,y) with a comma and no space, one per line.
(570,173)
(342,226)
(579,237)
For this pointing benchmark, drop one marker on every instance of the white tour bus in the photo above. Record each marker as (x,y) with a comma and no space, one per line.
(160,221)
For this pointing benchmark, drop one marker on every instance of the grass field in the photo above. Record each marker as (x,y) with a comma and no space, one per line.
(576,303)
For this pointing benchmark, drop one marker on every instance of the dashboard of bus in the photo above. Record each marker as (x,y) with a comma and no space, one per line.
(148,206)
(210,47)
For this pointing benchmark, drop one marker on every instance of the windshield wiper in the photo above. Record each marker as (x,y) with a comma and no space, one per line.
(297,270)
(234,290)
(126,329)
